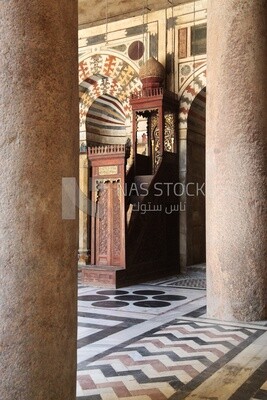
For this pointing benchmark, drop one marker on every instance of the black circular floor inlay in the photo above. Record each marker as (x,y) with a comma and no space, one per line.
(130,297)
(112,292)
(93,297)
(148,292)
(152,303)
(110,304)
(169,297)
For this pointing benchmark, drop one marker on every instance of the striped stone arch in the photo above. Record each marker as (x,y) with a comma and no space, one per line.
(198,82)
(106,74)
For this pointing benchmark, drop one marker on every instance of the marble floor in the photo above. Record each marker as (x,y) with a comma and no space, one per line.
(153,342)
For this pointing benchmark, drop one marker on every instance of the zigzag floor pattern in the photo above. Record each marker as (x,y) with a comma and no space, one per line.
(126,355)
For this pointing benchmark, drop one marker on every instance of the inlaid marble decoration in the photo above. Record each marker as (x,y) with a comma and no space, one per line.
(182,38)
(136,50)
(152,341)
(197,83)
(106,117)
(106,75)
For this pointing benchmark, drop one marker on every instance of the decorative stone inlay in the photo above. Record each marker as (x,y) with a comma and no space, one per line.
(136,50)
(185,70)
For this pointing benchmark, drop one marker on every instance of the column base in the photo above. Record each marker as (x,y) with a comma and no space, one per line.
(83,257)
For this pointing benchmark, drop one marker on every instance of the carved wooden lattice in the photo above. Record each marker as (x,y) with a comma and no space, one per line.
(168,132)
(156,141)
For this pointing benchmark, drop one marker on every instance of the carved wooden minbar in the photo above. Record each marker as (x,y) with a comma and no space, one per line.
(159,106)
(145,247)
(107,215)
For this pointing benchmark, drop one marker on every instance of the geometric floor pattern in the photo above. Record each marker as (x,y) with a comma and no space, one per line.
(136,299)
(186,281)
(158,364)
(133,347)
(194,279)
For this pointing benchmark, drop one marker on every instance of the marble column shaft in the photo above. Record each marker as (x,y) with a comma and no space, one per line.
(38,250)
(236,159)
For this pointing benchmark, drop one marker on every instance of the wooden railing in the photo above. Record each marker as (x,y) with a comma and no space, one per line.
(153,92)
(108,149)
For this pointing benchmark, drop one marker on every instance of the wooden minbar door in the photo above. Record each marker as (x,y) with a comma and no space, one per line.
(107,215)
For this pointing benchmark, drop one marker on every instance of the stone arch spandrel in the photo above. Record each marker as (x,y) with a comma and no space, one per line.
(193,87)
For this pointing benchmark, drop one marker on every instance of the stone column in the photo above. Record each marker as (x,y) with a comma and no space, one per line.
(236,159)
(182,213)
(84,210)
(38,250)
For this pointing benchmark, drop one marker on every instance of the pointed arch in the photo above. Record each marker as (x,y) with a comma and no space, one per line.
(106,74)
(196,84)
